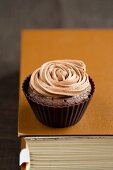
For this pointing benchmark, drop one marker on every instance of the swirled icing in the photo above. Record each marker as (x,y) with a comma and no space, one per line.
(60,78)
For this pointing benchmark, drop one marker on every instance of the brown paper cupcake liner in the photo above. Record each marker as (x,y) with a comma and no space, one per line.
(57,116)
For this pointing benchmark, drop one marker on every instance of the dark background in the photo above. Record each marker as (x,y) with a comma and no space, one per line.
(16,15)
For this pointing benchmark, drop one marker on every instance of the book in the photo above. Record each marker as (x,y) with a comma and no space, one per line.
(63,152)
(95,129)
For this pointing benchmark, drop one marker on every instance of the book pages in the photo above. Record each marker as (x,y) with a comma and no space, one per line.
(66,153)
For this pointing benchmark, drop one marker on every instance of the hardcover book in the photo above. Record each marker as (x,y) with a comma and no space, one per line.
(89,143)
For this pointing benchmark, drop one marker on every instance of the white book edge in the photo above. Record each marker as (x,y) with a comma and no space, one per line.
(24,158)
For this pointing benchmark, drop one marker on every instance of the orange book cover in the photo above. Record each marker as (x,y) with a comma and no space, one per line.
(95,48)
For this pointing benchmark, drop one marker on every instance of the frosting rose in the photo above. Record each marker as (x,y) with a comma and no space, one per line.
(60,78)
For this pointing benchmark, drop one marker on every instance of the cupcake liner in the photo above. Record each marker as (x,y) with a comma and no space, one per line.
(57,116)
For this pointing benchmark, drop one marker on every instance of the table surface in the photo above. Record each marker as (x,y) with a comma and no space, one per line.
(95,48)
(9,143)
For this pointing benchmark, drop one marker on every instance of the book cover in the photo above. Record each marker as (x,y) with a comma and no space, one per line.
(95,48)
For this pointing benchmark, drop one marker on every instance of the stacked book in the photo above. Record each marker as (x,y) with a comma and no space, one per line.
(87,145)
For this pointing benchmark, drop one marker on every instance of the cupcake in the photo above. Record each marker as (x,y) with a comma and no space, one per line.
(59,92)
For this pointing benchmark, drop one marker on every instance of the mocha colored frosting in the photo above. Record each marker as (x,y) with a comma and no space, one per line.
(60,78)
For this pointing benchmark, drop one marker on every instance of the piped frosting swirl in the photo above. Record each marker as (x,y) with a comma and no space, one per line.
(60,78)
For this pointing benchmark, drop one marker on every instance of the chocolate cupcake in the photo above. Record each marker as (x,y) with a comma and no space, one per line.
(59,92)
